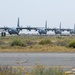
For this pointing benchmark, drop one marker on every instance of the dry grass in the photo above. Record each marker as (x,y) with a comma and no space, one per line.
(37,70)
(37,48)
(58,44)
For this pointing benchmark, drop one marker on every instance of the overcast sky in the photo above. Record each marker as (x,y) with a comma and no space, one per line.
(36,12)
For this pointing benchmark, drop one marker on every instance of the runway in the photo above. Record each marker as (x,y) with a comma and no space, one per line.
(31,59)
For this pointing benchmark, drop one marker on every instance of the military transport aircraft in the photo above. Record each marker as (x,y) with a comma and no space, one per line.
(11,30)
(41,30)
(60,30)
(57,30)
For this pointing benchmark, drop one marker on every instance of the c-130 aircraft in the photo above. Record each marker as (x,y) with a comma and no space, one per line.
(10,30)
(60,30)
(41,30)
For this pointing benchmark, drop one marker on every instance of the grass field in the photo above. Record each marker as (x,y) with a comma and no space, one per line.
(37,70)
(37,44)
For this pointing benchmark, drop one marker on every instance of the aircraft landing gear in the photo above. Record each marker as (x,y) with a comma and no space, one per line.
(3,34)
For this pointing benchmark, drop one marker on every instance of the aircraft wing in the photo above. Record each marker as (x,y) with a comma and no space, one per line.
(66,29)
(29,28)
(4,28)
(62,29)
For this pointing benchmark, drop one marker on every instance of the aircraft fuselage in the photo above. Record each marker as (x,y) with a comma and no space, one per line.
(57,31)
(42,31)
(13,31)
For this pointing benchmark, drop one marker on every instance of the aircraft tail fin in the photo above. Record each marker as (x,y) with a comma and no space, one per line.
(60,26)
(74,26)
(18,23)
(46,24)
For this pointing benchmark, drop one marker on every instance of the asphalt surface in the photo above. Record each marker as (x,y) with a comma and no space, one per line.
(31,59)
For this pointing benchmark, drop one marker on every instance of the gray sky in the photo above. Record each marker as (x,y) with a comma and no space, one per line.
(35,12)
